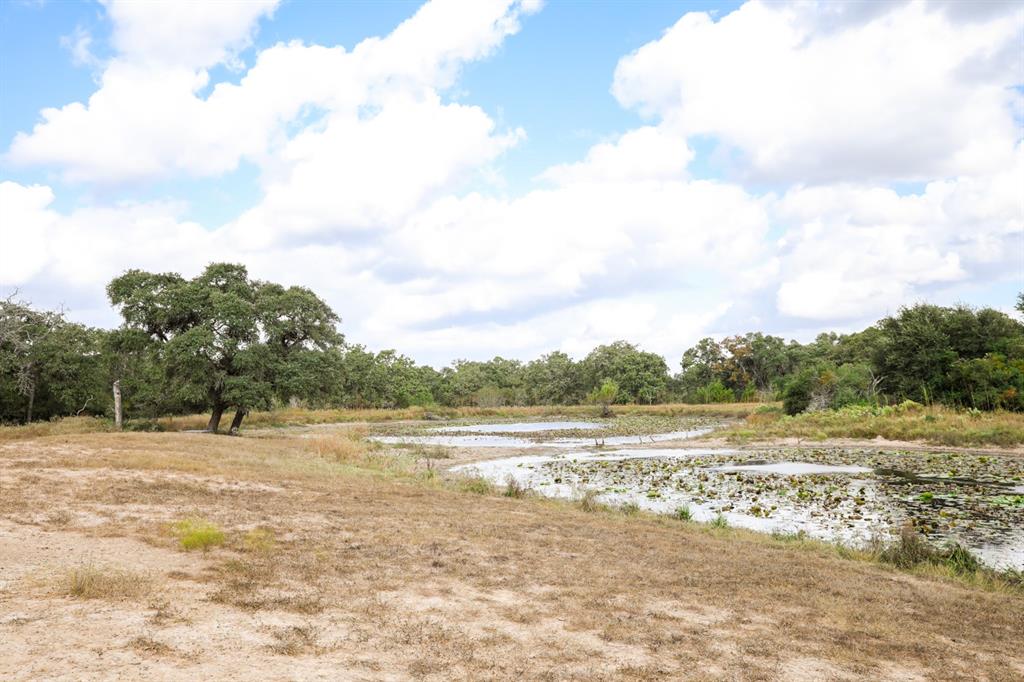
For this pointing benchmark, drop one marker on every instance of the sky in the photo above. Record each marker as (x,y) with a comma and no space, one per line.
(471,178)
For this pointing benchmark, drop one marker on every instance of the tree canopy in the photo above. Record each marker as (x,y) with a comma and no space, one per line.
(228,341)
(223,341)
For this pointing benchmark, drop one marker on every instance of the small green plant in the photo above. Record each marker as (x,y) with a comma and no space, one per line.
(926,497)
(259,541)
(683,513)
(719,521)
(198,534)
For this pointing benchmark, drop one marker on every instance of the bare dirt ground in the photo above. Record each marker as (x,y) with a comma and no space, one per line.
(338,564)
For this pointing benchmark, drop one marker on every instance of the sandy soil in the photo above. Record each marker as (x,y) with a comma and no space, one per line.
(372,575)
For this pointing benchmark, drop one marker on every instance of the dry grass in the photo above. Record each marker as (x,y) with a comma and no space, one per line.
(95,581)
(935,424)
(299,416)
(57,427)
(395,578)
(296,640)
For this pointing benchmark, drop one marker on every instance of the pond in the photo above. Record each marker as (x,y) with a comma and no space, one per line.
(535,435)
(849,496)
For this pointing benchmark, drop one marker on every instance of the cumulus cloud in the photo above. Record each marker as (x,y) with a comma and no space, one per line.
(853,251)
(151,119)
(816,92)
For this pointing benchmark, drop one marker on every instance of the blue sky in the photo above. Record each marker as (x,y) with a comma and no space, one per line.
(464,180)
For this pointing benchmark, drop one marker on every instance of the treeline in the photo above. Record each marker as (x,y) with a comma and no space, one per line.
(223,343)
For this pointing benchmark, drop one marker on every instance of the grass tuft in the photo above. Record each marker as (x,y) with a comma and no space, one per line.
(588,501)
(515,489)
(478,485)
(295,640)
(93,581)
(198,534)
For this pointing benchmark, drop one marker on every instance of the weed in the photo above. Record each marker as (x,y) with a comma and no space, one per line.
(259,541)
(683,513)
(91,581)
(295,640)
(911,549)
(719,521)
(198,534)
(630,509)
(513,488)
(477,485)
(146,644)
(587,501)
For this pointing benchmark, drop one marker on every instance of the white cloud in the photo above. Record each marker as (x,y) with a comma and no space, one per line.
(646,153)
(854,252)
(150,118)
(811,95)
(26,221)
(166,33)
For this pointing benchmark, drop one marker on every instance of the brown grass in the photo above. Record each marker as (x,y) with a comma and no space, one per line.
(94,581)
(395,576)
(300,416)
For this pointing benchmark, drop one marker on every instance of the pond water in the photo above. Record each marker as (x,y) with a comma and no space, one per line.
(521,427)
(497,441)
(849,496)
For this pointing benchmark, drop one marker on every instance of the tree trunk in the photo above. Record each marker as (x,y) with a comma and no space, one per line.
(117,404)
(31,403)
(214,424)
(237,421)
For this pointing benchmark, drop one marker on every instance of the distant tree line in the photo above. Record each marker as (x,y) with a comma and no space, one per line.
(223,343)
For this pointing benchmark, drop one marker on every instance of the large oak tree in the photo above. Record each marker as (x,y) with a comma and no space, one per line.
(229,341)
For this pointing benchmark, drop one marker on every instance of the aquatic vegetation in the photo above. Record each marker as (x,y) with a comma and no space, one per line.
(844,495)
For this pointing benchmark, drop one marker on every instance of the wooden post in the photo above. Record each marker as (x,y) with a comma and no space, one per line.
(117,404)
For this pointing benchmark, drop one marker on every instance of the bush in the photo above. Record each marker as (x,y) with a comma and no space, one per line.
(797,395)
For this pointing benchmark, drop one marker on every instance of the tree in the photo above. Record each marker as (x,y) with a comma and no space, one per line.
(920,344)
(227,341)
(640,376)
(553,379)
(48,366)
(604,396)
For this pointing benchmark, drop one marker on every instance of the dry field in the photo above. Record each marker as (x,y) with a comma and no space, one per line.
(278,556)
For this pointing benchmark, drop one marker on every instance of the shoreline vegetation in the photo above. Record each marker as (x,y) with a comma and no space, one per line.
(743,422)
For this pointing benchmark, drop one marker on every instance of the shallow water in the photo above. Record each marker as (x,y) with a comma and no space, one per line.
(851,497)
(521,427)
(495,441)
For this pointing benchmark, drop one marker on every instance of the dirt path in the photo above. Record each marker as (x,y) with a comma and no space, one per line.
(369,576)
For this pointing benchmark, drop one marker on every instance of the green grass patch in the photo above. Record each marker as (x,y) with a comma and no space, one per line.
(198,534)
